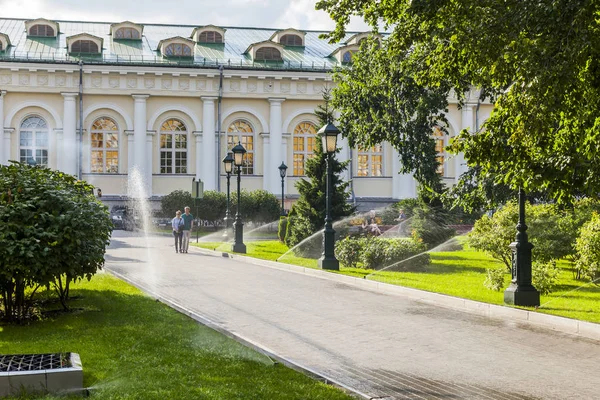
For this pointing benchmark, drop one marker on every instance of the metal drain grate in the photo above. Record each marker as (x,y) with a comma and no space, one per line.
(34,362)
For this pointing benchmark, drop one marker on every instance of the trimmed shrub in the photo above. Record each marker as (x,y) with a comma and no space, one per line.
(544,276)
(380,252)
(174,201)
(349,250)
(282,228)
(495,278)
(588,249)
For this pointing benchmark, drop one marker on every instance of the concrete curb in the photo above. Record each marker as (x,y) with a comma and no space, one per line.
(583,329)
(243,340)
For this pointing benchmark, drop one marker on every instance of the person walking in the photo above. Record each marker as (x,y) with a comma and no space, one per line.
(188,223)
(177,224)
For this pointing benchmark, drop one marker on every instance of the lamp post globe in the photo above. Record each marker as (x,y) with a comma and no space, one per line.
(329,134)
(228,164)
(282,172)
(238,159)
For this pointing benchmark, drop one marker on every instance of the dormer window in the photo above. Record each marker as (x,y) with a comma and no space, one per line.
(210,37)
(208,34)
(41,30)
(359,38)
(265,51)
(347,57)
(291,40)
(344,54)
(126,31)
(288,37)
(267,54)
(41,27)
(176,47)
(178,50)
(84,43)
(4,42)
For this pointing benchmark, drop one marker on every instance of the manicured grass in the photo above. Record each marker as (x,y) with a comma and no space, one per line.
(460,274)
(133,347)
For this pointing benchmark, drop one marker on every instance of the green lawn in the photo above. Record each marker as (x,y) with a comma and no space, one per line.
(133,347)
(457,273)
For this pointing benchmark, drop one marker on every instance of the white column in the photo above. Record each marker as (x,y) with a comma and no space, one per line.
(404,186)
(149,157)
(344,155)
(67,154)
(198,159)
(271,173)
(210,153)
(130,157)
(4,154)
(7,134)
(468,122)
(266,160)
(139,144)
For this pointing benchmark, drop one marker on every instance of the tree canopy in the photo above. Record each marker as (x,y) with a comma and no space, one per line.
(538,61)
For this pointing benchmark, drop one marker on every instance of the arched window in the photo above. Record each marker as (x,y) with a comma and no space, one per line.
(127,33)
(370,161)
(347,57)
(41,30)
(84,46)
(173,147)
(440,144)
(268,53)
(105,146)
(33,141)
(178,50)
(241,131)
(210,37)
(305,137)
(291,40)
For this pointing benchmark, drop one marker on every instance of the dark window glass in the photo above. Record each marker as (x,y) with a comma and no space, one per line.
(291,40)
(84,46)
(41,30)
(268,53)
(210,37)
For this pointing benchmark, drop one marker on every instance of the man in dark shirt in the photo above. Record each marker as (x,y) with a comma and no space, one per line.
(188,222)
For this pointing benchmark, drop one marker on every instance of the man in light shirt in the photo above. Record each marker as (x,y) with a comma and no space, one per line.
(188,223)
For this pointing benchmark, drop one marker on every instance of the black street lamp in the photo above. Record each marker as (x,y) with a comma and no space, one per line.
(228,163)
(282,170)
(328,134)
(521,292)
(238,158)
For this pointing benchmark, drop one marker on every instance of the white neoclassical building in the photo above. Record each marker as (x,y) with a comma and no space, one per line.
(101,100)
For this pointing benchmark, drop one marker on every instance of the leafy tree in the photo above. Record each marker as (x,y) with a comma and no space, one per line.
(176,200)
(52,231)
(307,215)
(211,207)
(494,234)
(588,249)
(268,207)
(539,61)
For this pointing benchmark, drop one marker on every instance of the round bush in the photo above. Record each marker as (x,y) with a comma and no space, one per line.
(588,249)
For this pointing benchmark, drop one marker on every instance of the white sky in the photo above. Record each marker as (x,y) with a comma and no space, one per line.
(300,14)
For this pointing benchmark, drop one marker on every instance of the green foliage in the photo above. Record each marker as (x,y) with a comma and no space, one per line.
(408,206)
(174,201)
(376,252)
(282,229)
(588,249)
(494,234)
(53,231)
(495,278)
(429,225)
(543,131)
(544,276)
(349,250)
(267,208)
(307,215)
(211,207)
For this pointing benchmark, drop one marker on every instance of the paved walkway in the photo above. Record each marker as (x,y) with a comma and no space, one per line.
(383,346)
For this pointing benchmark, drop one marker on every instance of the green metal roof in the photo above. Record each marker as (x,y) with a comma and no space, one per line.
(313,56)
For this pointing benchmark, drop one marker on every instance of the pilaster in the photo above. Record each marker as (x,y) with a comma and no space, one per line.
(271,173)
(3,152)
(149,156)
(210,154)
(137,168)
(6,148)
(68,151)
(404,186)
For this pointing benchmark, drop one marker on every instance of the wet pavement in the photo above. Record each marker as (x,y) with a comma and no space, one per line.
(382,346)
